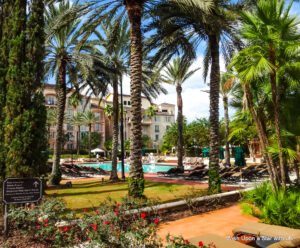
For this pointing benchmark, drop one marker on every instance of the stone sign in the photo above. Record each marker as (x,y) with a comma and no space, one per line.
(21,190)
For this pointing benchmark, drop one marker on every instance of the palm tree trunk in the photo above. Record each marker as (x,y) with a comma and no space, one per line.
(226,119)
(78,140)
(61,99)
(262,138)
(273,77)
(90,131)
(179,120)
(136,180)
(114,166)
(214,177)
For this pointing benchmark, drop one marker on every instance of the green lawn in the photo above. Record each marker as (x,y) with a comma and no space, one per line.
(90,194)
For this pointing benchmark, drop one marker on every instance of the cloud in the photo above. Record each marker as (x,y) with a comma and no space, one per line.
(195,101)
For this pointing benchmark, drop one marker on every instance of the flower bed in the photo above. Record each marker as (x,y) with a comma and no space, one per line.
(107,226)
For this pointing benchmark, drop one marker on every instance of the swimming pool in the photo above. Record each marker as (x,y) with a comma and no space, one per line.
(150,168)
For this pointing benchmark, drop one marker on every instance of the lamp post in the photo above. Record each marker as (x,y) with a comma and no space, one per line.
(122,132)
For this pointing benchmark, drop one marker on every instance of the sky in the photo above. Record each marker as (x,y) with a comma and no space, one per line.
(195,100)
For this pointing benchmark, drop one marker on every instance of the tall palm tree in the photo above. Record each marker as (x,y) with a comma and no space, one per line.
(226,86)
(77,120)
(114,41)
(61,22)
(117,9)
(272,36)
(89,120)
(181,25)
(177,73)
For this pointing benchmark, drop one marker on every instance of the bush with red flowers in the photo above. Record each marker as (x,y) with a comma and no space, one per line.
(180,242)
(107,226)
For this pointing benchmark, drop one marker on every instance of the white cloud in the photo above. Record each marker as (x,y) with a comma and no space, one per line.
(195,101)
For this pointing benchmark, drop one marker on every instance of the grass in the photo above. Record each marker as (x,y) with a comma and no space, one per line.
(90,194)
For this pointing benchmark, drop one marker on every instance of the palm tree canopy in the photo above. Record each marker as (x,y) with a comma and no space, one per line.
(178,71)
(89,117)
(77,119)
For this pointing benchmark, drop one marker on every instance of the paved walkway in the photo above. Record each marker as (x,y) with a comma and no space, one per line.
(219,222)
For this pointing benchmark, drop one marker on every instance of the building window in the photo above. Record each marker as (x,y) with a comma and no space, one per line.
(53,135)
(145,117)
(97,127)
(167,128)
(157,118)
(168,118)
(156,137)
(83,128)
(125,102)
(51,100)
(164,111)
(97,116)
(69,127)
(129,102)
(70,136)
(145,129)
(70,146)
(70,112)
(157,128)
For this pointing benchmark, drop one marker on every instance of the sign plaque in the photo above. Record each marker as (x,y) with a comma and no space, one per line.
(22,190)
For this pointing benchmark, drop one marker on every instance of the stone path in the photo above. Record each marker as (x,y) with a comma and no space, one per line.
(219,222)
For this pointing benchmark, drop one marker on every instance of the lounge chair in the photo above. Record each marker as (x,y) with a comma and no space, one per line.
(171,172)
(289,237)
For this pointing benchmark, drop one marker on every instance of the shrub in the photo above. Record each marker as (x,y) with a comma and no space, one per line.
(180,242)
(280,208)
(107,226)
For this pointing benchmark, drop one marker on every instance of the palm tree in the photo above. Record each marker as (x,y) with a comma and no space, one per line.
(150,112)
(89,120)
(226,86)
(61,22)
(77,120)
(114,41)
(273,37)
(177,73)
(180,26)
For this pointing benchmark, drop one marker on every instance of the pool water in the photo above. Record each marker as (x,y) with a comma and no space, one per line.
(150,168)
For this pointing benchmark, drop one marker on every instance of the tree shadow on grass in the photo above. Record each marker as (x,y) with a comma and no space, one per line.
(120,189)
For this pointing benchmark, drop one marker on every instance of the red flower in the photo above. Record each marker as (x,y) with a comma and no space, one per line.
(77,239)
(46,220)
(107,222)
(116,209)
(60,229)
(186,241)
(84,210)
(112,230)
(117,204)
(201,243)
(44,196)
(38,226)
(143,215)
(95,227)
(64,237)
(45,224)
(53,237)
(66,229)
(156,221)
(97,212)
(116,212)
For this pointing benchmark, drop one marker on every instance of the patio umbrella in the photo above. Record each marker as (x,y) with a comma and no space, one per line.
(205,153)
(222,153)
(98,150)
(239,156)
